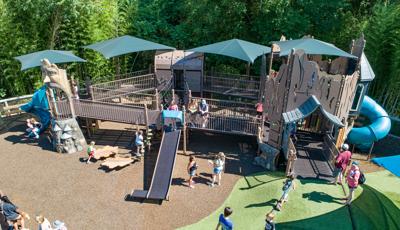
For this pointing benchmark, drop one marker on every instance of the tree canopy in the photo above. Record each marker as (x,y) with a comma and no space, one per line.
(27,26)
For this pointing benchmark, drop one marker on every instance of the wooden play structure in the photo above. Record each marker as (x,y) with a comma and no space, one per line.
(309,104)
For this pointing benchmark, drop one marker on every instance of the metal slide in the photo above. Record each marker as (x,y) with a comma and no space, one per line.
(380,125)
(163,169)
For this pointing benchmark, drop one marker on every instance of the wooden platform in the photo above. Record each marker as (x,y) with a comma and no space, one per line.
(311,162)
(106,151)
(117,162)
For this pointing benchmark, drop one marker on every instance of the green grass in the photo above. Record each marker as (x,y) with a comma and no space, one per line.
(313,205)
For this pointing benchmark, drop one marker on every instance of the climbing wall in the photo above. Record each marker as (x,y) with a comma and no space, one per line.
(300,79)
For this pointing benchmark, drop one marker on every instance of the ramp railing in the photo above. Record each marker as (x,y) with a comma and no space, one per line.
(10,106)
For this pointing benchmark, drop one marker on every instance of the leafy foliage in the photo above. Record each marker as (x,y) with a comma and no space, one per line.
(27,26)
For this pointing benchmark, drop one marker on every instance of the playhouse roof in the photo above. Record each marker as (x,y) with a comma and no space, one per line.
(125,44)
(54,56)
(306,109)
(367,73)
(235,48)
(311,46)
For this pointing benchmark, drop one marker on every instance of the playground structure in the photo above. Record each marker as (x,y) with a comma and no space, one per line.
(315,99)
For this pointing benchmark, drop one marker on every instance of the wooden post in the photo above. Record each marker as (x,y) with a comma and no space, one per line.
(146,117)
(248,69)
(370,151)
(184,129)
(91,92)
(157,100)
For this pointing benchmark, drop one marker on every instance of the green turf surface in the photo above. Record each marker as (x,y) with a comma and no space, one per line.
(378,207)
(313,205)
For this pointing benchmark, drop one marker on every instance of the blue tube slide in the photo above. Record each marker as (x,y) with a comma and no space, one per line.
(40,107)
(380,125)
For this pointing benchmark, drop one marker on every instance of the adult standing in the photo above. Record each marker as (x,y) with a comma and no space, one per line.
(352,181)
(341,163)
(203,110)
(13,214)
(224,222)
(3,221)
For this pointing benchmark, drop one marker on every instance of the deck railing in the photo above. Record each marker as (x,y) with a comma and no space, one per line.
(229,108)
(106,79)
(238,85)
(233,125)
(107,111)
(123,86)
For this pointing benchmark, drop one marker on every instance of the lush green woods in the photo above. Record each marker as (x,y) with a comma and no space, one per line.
(27,26)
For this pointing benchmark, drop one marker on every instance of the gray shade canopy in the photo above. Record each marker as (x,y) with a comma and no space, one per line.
(54,56)
(306,109)
(311,46)
(235,48)
(124,45)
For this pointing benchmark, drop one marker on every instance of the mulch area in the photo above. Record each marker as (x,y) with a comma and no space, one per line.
(84,196)
(388,146)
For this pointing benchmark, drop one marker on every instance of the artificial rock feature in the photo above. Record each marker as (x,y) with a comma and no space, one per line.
(67,136)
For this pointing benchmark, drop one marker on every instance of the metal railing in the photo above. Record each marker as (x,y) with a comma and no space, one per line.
(123,86)
(10,106)
(105,79)
(229,108)
(238,85)
(233,125)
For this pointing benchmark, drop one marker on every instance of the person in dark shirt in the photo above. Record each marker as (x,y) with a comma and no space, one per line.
(224,222)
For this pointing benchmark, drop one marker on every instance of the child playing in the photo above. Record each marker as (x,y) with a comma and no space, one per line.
(224,222)
(44,224)
(191,168)
(218,166)
(90,151)
(139,143)
(33,128)
(287,185)
(269,221)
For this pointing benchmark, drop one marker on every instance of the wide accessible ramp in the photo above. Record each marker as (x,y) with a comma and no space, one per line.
(162,176)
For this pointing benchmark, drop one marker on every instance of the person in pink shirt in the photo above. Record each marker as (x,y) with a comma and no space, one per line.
(341,163)
(173,106)
(259,109)
(352,181)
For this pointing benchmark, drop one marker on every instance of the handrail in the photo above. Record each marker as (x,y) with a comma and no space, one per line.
(15,98)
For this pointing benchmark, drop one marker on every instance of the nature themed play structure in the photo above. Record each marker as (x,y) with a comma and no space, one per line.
(310,96)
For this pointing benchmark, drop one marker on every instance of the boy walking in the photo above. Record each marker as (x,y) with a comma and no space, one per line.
(224,222)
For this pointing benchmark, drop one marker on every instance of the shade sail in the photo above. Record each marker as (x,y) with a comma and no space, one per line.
(125,44)
(311,46)
(236,48)
(54,56)
(306,109)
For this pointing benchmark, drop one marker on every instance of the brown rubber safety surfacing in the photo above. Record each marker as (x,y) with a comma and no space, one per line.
(85,197)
